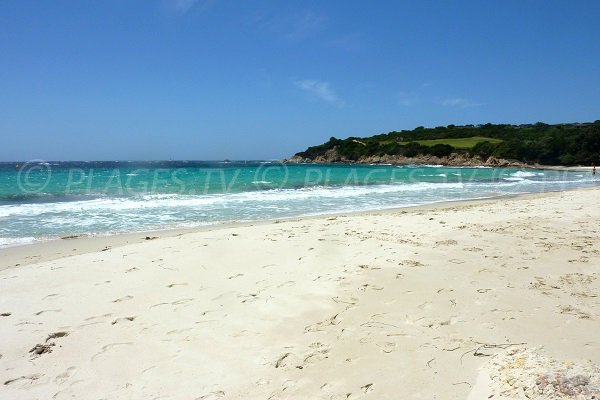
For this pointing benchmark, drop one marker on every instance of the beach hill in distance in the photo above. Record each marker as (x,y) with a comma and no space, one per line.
(564,144)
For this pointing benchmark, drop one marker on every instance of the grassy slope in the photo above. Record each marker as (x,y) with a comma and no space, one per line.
(460,143)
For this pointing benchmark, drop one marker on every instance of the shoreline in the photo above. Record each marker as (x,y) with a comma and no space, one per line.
(56,248)
(174,229)
(425,164)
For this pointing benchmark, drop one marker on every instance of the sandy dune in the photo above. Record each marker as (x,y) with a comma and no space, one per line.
(385,305)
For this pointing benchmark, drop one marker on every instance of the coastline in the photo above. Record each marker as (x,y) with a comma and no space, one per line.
(367,304)
(459,163)
(52,249)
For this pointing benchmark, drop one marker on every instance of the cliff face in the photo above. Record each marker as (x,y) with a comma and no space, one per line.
(454,159)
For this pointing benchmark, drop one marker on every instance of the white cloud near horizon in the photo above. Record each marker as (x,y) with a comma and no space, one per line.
(458,102)
(320,90)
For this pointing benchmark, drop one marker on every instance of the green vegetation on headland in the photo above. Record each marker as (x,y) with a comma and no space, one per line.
(558,144)
(462,143)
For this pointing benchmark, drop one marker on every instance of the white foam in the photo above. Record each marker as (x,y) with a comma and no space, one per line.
(175,201)
(155,211)
(11,242)
(526,174)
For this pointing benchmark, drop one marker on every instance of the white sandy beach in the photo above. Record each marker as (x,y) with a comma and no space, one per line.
(403,304)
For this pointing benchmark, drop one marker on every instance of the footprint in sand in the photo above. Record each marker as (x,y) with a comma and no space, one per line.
(473,249)
(212,396)
(449,242)
(181,301)
(40,349)
(98,319)
(576,279)
(24,380)
(283,360)
(350,301)
(568,309)
(47,346)
(109,347)
(62,378)
(262,382)
(95,317)
(387,347)
(124,319)
(317,352)
(367,388)
(319,326)
(411,263)
(176,284)
(125,298)
(178,331)
(223,295)
(438,324)
(286,284)
(249,297)
(56,335)
(363,288)
(45,311)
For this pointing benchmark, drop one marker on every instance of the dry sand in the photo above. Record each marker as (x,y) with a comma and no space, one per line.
(384,305)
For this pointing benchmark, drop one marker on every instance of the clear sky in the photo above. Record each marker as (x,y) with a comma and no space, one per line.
(209,79)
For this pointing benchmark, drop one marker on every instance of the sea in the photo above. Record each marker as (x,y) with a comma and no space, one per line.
(43,200)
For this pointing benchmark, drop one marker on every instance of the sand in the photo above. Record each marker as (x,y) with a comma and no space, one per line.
(401,304)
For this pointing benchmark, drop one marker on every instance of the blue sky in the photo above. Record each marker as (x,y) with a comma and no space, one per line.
(210,79)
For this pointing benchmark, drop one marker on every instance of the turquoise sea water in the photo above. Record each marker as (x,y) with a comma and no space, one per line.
(44,200)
